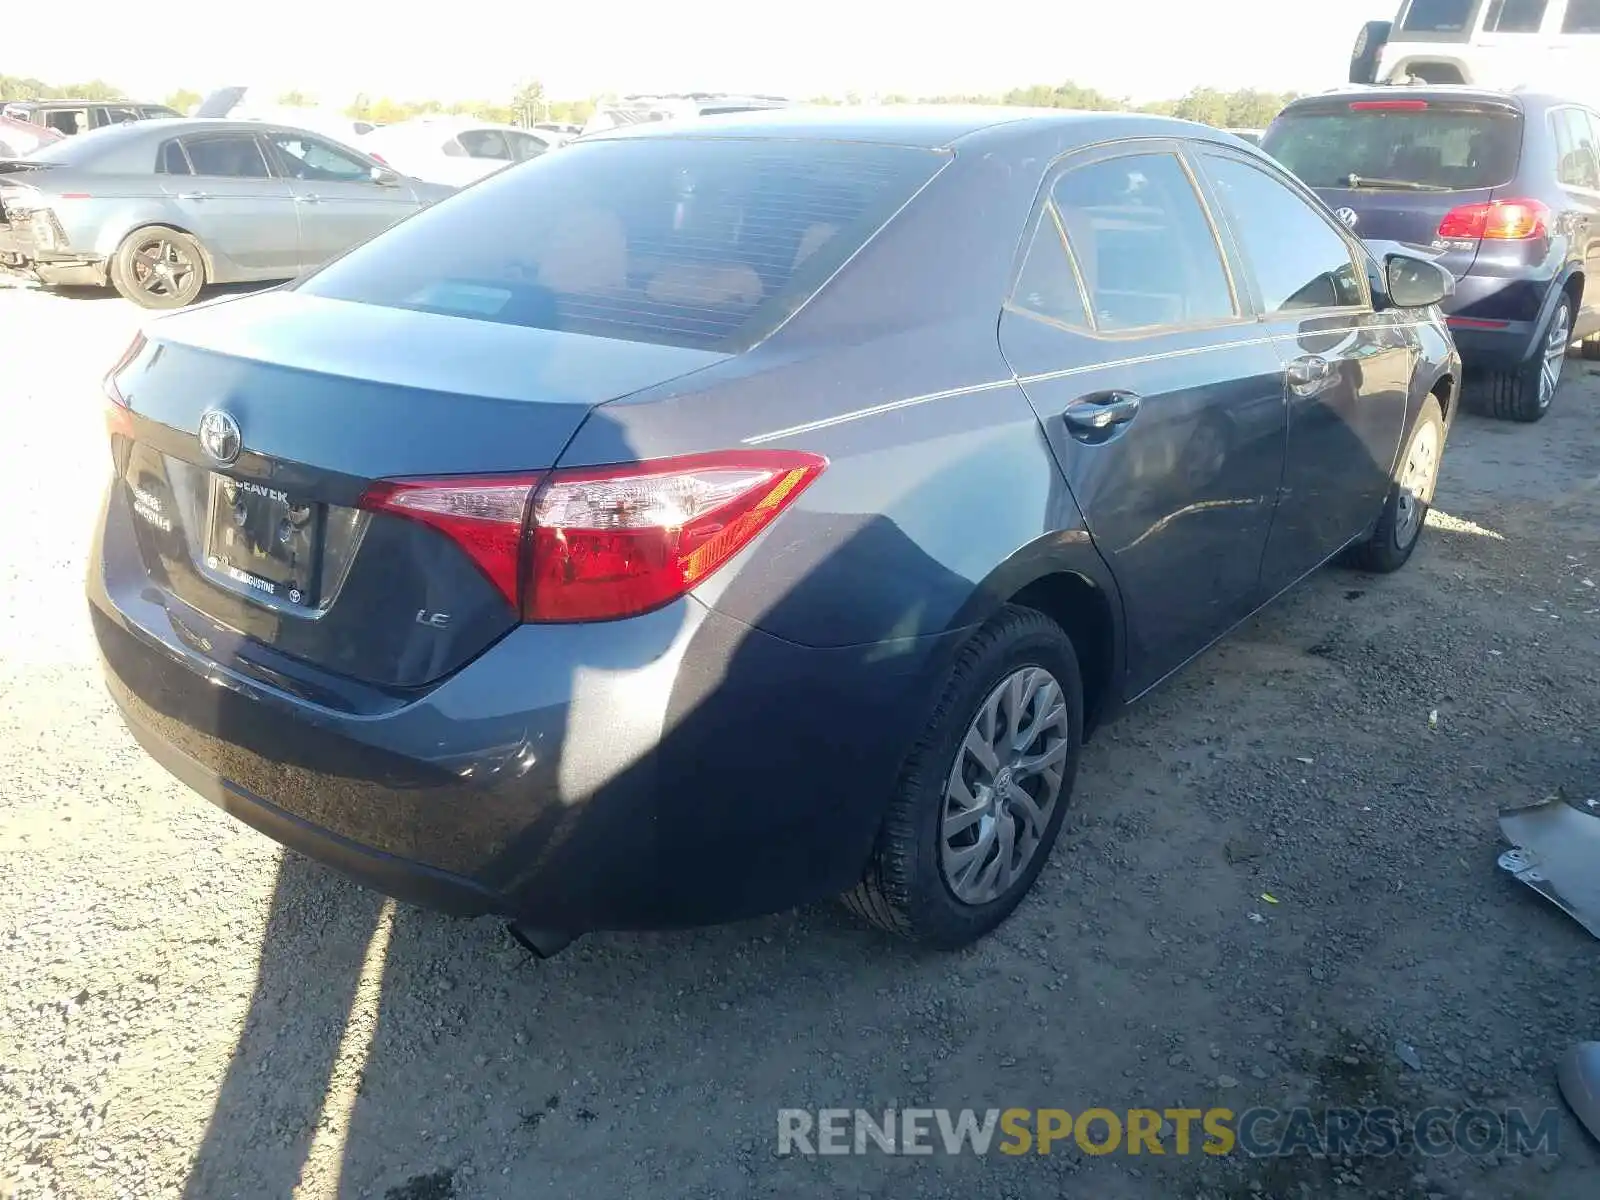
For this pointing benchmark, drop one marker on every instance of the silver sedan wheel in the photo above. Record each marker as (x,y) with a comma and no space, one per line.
(1004,786)
(1418,475)
(1555,355)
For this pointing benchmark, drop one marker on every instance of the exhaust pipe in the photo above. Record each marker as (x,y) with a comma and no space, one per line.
(541,943)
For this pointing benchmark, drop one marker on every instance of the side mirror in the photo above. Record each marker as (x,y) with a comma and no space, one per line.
(385,177)
(1416,282)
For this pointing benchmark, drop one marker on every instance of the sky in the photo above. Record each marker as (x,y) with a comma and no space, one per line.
(1139,49)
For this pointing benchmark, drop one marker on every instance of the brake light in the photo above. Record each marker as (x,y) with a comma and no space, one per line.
(1499,220)
(376,157)
(1388,105)
(595,544)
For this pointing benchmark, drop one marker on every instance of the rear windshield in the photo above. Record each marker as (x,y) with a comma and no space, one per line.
(707,243)
(1451,18)
(1440,148)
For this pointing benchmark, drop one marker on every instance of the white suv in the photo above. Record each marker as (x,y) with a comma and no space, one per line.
(1553,45)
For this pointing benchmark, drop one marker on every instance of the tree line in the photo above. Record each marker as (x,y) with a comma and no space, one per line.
(1244,108)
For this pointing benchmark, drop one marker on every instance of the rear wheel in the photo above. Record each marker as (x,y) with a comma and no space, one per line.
(1410,496)
(1591,347)
(157,267)
(983,793)
(1524,392)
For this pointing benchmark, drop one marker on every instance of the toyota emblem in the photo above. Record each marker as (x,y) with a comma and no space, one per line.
(1348,216)
(219,436)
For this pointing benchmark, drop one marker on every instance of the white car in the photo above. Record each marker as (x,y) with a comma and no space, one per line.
(1550,45)
(455,150)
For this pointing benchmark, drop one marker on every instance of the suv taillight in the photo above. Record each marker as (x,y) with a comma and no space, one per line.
(595,544)
(1500,220)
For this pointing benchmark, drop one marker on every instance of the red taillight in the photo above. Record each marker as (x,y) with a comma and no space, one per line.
(606,542)
(615,541)
(1388,105)
(1499,220)
(483,516)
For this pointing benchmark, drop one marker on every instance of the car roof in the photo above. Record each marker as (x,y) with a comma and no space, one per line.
(926,126)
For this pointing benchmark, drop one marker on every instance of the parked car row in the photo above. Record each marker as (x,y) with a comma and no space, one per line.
(710,518)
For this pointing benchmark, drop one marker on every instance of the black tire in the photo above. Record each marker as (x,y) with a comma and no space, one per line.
(904,890)
(1590,347)
(1393,541)
(137,268)
(1369,45)
(1515,394)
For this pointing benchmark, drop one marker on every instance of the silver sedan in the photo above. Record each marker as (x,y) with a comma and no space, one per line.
(159,209)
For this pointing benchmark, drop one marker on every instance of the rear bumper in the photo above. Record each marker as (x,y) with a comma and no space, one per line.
(675,769)
(1496,320)
(20,259)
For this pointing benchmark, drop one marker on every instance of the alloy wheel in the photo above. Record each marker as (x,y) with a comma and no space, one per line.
(1555,355)
(162,268)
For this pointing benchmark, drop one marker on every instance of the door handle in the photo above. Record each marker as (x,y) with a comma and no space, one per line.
(308,198)
(1099,414)
(194,195)
(1309,373)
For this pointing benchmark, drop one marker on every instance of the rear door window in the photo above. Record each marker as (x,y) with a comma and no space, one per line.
(1576,163)
(116,114)
(1443,147)
(702,242)
(1143,243)
(1514,16)
(235,156)
(1299,261)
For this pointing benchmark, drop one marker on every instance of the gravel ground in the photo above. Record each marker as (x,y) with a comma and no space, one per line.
(184,1010)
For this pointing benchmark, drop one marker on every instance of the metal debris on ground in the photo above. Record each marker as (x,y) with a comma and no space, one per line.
(1556,851)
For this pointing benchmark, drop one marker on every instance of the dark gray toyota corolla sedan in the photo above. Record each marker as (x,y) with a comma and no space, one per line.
(708,519)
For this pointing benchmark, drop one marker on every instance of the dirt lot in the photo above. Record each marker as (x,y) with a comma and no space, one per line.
(185,1011)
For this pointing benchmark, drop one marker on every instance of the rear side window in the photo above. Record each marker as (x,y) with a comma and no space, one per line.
(1143,243)
(484,143)
(1439,16)
(1444,147)
(1047,286)
(1583,16)
(1576,163)
(171,160)
(1298,261)
(706,243)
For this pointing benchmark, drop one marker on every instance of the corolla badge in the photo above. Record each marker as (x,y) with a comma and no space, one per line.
(219,436)
(1348,216)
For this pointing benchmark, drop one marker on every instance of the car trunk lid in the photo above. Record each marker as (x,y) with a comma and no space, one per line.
(252,517)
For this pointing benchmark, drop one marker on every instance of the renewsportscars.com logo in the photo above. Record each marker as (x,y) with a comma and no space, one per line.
(1254,1133)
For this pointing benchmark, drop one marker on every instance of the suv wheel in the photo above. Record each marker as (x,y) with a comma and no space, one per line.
(1524,392)
(1591,347)
(983,793)
(1410,496)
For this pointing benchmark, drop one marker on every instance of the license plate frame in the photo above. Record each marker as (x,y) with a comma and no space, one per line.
(247,549)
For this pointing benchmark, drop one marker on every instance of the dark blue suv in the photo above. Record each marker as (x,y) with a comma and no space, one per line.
(1502,188)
